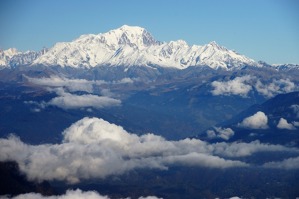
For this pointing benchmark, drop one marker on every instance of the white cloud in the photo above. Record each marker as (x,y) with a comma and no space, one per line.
(242,85)
(94,148)
(290,163)
(295,108)
(224,133)
(295,123)
(73,85)
(72,101)
(237,86)
(283,124)
(70,194)
(66,100)
(257,121)
(125,80)
(241,149)
(70,84)
(275,87)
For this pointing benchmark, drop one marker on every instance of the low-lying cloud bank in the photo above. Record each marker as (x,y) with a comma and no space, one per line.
(73,85)
(65,88)
(70,194)
(243,85)
(76,194)
(94,148)
(67,100)
(72,101)
(290,163)
(70,84)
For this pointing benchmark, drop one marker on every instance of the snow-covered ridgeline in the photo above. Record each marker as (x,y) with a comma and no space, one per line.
(135,46)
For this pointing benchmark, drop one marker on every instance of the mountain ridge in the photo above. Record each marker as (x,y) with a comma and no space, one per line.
(135,46)
(132,46)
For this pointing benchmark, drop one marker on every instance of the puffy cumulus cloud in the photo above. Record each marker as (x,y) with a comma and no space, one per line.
(256,121)
(283,124)
(218,132)
(242,85)
(94,148)
(237,86)
(70,194)
(290,163)
(275,87)
(73,101)
(94,130)
(69,84)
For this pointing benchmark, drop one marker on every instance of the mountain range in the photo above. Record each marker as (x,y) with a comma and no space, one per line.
(218,124)
(131,46)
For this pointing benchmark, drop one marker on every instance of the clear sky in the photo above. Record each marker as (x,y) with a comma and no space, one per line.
(265,30)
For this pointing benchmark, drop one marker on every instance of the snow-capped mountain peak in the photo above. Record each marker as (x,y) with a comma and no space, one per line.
(6,55)
(11,52)
(135,46)
(214,45)
(132,36)
(12,57)
(128,46)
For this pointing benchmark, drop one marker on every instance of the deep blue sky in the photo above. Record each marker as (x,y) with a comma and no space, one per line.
(260,29)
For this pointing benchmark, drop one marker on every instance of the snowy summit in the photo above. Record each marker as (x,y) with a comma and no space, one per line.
(135,46)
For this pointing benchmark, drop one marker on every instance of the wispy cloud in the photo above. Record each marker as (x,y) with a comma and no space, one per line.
(67,100)
(72,101)
(71,85)
(70,194)
(290,163)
